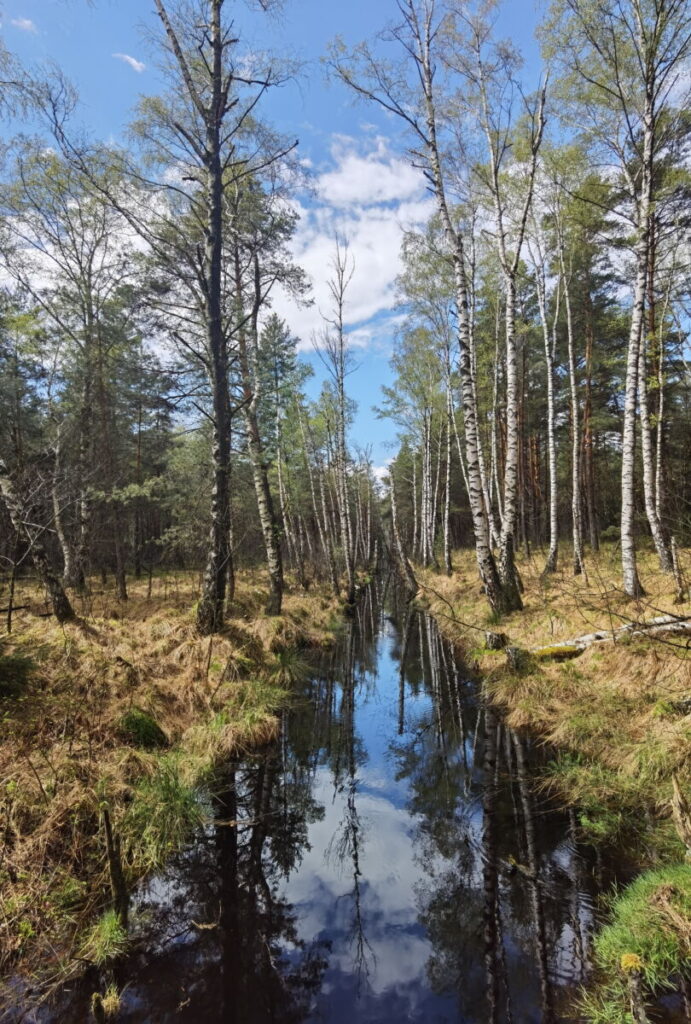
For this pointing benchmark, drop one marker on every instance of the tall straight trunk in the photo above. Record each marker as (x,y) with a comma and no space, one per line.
(551,562)
(660,431)
(494,532)
(415,547)
(420,24)
(662,547)
(435,500)
(265,507)
(68,553)
(495,527)
(577,526)
(399,550)
(211,607)
(510,263)
(319,515)
(448,568)
(117,525)
(260,471)
(588,448)
(62,609)
(337,363)
(507,541)
(632,583)
(78,576)
(498,600)
(664,553)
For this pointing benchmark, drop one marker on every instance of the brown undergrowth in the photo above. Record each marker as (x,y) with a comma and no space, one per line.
(616,714)
(123,715)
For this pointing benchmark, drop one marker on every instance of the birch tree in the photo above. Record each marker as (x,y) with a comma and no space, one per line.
(409,89)
(627,57)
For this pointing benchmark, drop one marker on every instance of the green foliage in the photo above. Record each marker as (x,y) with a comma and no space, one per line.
(140,729)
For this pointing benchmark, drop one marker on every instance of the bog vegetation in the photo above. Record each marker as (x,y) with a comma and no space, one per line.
(177,516)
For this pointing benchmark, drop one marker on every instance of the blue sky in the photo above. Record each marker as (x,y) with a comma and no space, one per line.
(363,187)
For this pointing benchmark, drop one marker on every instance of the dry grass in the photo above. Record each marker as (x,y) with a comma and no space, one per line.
(612,709)
(64,754)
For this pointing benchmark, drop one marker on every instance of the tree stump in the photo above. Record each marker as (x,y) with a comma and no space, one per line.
(495,641)
(518,659)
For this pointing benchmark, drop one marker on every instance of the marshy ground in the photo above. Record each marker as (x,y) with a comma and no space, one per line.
(110,725)
(619,717)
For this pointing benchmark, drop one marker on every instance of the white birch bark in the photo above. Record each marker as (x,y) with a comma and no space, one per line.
(539,274)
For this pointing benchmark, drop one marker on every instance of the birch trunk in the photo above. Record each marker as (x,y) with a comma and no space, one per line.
(551,563)
(68,553)
(661,546)
(487,567)
(577,526)
(588,444)
(650,473)
(632,584)
(448,568)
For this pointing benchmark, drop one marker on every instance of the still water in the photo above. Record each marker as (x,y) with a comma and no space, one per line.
(389,859)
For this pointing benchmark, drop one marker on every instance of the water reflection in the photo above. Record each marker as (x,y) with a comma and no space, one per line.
(387,860)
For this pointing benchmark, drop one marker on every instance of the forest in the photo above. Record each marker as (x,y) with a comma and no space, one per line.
(190,518)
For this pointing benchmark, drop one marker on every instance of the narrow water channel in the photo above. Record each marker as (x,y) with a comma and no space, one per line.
(388,859)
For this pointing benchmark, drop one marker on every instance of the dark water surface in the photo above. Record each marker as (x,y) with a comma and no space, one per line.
(388,860)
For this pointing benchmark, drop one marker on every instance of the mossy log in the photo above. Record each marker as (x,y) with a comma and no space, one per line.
(659,627)
(557,652)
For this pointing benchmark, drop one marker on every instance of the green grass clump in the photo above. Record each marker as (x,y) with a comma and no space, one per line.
(651,920)
(163,814)
(289,667)
(105,940)
(611,806)
(140,729)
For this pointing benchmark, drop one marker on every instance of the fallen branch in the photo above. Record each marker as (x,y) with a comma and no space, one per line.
(661,625)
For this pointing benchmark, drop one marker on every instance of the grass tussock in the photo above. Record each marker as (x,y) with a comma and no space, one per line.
(126,709)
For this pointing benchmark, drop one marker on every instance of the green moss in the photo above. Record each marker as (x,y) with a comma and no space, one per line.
(140,729)
(650,920)
(557,652)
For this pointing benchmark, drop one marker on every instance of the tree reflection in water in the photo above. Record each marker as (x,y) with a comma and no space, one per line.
(387,859)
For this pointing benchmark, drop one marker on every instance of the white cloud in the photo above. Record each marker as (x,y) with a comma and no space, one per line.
(135,64)
(377,176)
(369,196)
(25,24)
